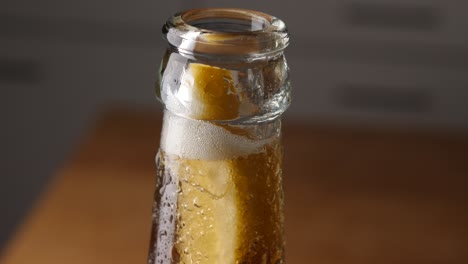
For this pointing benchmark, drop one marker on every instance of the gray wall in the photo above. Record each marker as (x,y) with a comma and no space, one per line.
(398,63)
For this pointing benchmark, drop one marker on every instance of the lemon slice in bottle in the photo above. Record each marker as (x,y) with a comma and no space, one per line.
(207,203)
(211,93)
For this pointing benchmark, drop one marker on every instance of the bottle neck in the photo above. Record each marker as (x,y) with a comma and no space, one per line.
(225,92)
(225,65)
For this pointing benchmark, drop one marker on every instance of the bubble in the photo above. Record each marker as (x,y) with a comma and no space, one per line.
(195,202)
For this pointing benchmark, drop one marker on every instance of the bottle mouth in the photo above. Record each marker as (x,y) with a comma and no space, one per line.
(226,32)
(227,20)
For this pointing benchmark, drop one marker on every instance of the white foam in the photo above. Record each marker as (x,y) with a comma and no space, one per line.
(195,139)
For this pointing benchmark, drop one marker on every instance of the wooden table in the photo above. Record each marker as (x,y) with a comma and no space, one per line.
(353,196)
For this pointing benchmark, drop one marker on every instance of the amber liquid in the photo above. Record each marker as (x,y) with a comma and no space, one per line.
(219,211)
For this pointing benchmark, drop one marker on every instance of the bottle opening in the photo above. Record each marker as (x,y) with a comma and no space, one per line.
(226,21)
(226,32)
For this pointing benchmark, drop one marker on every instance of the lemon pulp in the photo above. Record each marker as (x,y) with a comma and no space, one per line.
(213,93)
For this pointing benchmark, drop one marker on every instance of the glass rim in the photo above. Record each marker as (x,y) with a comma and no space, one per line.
(230,32)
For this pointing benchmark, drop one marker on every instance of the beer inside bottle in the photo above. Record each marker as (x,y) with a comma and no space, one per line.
(224,84)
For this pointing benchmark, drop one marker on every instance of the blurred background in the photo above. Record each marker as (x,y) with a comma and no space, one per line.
(395,63)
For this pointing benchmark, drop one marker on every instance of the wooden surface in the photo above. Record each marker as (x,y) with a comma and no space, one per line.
(352,196)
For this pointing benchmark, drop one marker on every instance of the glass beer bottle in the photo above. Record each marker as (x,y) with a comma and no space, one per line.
(224,85)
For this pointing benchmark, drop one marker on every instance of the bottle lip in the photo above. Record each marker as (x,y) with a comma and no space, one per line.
(226,32)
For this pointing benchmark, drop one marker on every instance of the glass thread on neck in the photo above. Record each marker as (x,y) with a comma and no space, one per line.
(227,33)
